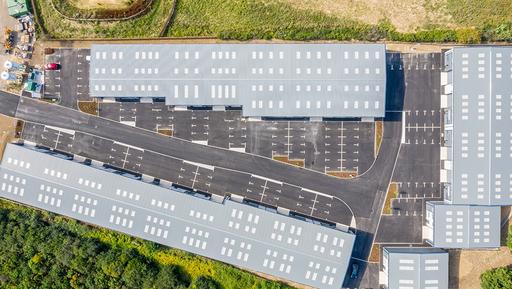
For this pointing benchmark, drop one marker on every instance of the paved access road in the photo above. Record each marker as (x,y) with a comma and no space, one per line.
(358,192)
(8,103)
(329,146)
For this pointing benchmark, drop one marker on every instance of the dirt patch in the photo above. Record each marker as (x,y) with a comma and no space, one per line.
(375,254)
(90,107)
(101,9)
(101,4)
(379,131)
(467,265)
(7,131)
(392,194)
(405,15)
(165,131)
(343,175)
(285,159)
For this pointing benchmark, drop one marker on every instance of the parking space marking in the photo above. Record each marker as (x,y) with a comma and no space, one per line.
(274,192)
(195,177)
(327,146)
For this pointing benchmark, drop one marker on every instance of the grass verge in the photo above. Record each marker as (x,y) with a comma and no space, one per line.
(343,174)
(293,162)
(392,194)
(148,25)
(375,253)
(165,131)
(379,132)
(90,107)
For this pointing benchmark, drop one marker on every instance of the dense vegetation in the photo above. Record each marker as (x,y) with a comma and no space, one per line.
(498,278)
(42,250)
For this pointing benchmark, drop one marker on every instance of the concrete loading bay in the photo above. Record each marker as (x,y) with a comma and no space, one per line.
(416,176)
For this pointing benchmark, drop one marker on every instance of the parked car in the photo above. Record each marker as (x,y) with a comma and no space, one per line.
(355,271)
(52,66)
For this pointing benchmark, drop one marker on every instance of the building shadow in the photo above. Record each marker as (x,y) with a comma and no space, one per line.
(395,84)
(453,265)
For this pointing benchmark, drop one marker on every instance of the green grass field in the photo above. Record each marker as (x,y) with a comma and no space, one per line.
(464,21)
(479,13)
(471,22)
(232,19)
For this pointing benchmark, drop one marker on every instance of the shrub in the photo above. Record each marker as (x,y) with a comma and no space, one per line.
(498,278)
(468,36)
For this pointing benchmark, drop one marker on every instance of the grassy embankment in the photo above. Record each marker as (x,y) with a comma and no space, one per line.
(147,25)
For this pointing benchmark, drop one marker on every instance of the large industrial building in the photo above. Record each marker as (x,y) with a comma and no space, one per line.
(477,104)
(265,80)
(414,268)
(229,231)
(462,226)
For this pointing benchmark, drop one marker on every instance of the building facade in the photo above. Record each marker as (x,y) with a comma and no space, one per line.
(462,226)
(477,106)
(414,268)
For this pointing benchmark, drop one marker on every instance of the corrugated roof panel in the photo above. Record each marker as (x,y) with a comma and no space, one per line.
(240,74)
(231,232)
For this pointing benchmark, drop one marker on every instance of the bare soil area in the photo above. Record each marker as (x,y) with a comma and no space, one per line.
(466,266)
(102,4)
(405,15)
(7,131)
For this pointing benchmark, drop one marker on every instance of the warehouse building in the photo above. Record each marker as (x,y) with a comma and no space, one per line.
(477,105)
(225,230)
(462,226)
(265,80)
(414,268)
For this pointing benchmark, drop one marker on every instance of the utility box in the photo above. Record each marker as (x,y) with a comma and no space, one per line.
(17,8)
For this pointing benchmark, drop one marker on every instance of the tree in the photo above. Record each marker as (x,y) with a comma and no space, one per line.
(169,278)
(204,282)
(498,278)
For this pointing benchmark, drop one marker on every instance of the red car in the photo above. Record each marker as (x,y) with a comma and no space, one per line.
(52,66)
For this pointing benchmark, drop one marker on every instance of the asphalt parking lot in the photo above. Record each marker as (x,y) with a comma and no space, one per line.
(329,146)
(418,164)
(190,175)
(71,82)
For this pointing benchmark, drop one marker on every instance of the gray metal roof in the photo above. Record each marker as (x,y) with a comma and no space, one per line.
(415,268)
(275,80)
(463,226)
(482,134)
(231,232)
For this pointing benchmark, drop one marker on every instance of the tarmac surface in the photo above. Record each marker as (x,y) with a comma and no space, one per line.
(327,146)
(194,176)
(70,83)
(417,171)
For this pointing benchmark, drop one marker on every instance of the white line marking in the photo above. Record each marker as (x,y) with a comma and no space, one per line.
(267,179)
(130,146)
(208,167)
